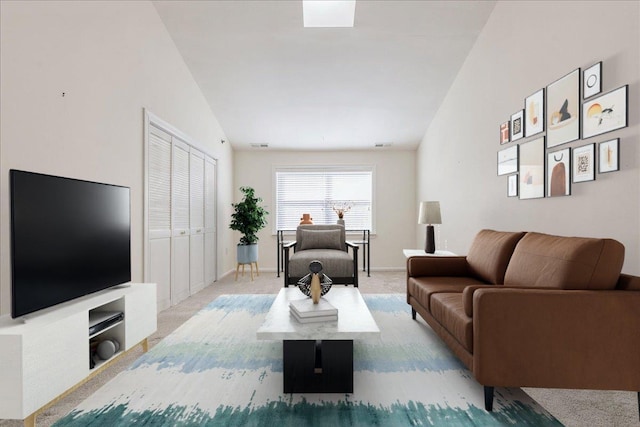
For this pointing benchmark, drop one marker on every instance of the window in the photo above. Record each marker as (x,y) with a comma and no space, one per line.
(317,190)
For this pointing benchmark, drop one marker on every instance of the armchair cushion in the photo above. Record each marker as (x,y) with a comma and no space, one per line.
(335,263)
(320,239)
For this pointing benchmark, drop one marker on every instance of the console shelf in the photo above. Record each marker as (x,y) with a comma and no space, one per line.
(46,354)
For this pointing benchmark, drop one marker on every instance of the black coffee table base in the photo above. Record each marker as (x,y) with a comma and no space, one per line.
(311,366)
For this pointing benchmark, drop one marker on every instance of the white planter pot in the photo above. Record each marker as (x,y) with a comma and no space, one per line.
(246,254)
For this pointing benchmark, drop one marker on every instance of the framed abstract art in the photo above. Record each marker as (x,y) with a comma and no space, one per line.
(584,163)
(563,110)
(609,156)
(504,133)
(517,125)
(508,160)
(605,113)
(512,186)
(558,172)
(592,81)
(534,113)
(531,169)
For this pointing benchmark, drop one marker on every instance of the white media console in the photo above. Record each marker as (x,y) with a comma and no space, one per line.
(45,354)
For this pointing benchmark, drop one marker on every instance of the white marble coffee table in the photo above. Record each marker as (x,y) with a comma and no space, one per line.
(318,357)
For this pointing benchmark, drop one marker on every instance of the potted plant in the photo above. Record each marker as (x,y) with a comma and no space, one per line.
(248,218)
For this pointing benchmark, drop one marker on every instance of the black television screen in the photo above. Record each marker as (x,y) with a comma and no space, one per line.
(69,238)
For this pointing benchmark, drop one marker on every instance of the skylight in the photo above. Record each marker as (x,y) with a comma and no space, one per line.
(328,13)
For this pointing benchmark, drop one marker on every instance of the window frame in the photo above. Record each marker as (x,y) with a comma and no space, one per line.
(322,168)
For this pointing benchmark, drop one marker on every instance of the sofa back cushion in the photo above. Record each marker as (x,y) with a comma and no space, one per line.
(490,252)
(542,260)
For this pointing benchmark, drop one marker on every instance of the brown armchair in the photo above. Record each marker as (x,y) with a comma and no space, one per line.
(327,244)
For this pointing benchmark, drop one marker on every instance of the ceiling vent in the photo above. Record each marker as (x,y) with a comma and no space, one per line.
(259,145)
(383,144)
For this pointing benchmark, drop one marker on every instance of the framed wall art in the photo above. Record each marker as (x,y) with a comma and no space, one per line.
(504,133)
(508,160)
(531,166)
(558,171)
(584,163)
(605,113)
(517,125)
(563,109)
(609,156)
(592,80)
(534,113)
(512,186)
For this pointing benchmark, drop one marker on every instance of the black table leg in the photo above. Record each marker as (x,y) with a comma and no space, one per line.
(318,366)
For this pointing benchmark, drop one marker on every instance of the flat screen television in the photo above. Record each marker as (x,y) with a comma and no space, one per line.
(69,238)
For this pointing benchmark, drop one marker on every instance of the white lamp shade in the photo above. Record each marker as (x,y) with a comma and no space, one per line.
(429,213)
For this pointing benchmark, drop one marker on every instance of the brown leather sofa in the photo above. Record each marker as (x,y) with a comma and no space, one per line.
(534,310)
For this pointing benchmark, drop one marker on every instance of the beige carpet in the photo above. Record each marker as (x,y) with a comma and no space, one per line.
(577,408)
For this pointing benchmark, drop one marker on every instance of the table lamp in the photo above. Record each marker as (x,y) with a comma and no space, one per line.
(429,214)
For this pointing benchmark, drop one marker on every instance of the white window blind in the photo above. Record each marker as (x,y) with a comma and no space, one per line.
(317,191)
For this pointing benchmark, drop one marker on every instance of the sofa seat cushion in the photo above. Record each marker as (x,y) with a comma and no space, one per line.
(335,263)
(421,288)
(490,253)
(448,310)
(546,261)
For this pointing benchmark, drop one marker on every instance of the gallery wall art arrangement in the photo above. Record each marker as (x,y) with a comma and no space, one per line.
(569,109)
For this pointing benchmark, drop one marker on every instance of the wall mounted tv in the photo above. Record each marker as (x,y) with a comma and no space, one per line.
(69,238)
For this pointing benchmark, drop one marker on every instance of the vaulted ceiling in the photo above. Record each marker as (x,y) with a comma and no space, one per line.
(271,81)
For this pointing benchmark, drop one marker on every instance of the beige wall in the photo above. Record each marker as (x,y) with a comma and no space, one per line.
(394,196)
(524,47)
(111,60)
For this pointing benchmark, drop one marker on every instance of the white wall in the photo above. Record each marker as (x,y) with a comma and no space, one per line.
(524,47)
(396,212)
(111,60)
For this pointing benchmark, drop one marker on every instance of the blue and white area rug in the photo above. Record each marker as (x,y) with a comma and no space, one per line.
(212,371)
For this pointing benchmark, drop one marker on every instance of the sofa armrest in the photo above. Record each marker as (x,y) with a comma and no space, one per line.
(467,294)
(556,338)
(437,266)
(467,297)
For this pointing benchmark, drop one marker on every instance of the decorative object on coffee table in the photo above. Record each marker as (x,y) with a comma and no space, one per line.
(316,283)
(429,214)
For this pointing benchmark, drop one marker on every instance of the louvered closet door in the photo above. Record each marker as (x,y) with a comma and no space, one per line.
(159,214)
(196,215)
(209,220)
(180,222)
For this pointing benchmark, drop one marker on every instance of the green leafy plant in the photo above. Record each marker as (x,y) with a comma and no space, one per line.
(249,217)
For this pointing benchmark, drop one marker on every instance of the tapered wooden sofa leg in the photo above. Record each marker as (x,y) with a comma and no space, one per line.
(488,398)
(413,313)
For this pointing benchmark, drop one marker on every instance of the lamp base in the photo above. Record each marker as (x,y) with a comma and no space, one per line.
(430,246)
